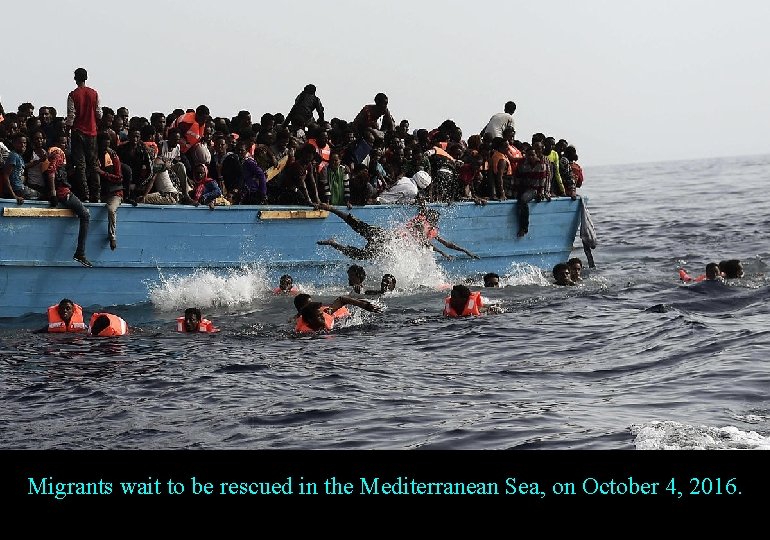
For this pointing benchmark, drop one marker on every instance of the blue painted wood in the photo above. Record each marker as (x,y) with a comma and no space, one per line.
(37,270)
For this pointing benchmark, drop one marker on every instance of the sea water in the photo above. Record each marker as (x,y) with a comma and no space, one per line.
(629,359)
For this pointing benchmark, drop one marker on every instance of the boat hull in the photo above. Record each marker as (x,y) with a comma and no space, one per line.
(36,248)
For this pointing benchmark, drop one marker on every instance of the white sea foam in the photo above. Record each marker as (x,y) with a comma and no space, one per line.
(524,274)
(669,435)
(412,264)
(210,288)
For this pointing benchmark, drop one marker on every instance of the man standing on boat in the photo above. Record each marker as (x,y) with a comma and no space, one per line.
(83,111)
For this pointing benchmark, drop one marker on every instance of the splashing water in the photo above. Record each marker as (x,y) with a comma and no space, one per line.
(211,288)
(524,274)
(414,265)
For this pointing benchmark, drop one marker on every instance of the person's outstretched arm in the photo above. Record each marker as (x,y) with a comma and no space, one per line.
(347,300)
(452,245)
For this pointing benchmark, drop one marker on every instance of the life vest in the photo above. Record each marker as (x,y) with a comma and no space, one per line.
(205,326)
(514,158)
(117,327)
(292,291)
(57,325)
(193,134)
(304,328)
(420,221)
(325,153)
(497,157)
(471,307)
(329,319)
(687,278)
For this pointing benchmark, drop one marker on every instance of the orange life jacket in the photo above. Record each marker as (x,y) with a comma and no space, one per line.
(497,157)
(687,278)
(421,222)
(204,326)
(325,153)
(193,134)
(117,327)
(329,319)
(303,327)
(56,324)
(471,307)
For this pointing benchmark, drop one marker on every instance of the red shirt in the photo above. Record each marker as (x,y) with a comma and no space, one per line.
(86,101)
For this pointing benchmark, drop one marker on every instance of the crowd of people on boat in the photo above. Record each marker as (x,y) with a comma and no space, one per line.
(95,153)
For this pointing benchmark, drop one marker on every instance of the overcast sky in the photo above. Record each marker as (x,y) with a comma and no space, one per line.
(624,81)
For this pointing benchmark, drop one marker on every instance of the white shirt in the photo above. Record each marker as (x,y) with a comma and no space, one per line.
(498,123)
(403,191)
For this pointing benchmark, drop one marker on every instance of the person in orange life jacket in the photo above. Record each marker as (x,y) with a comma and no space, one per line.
(462,302)
(422,227)
(192,127)
(314,316)
(107,325)
(562,275)
(193,321)
(387,284)
(66,316)
(286,286)
(111,176)
(206,190)
(425,228)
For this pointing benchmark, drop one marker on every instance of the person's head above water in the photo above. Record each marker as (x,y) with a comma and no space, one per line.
(561,274)
(713,272)
(356,275)
(286,282)
(388,283)
(458,298)
(491,280)
(192,319)
(66,309)
(313,315)
(731,268)
(301,300)
(575,268)
(101,322)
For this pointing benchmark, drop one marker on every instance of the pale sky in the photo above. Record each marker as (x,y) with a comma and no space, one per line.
(624,81)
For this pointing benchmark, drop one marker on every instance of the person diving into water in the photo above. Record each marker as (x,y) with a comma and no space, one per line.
(422,227)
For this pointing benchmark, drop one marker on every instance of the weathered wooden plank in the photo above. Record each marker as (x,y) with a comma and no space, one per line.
(37,212)
(293,214)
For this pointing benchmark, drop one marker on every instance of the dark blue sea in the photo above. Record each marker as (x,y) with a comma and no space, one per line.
(629,359)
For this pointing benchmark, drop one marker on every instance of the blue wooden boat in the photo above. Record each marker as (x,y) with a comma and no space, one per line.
(37,243)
